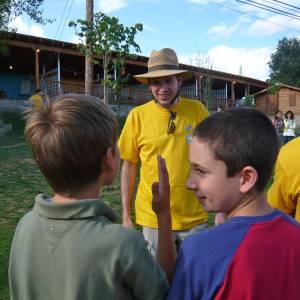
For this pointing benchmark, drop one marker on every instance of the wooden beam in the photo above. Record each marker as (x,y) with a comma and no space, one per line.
(42,47)
(37,69)
(232,93)
(238,80)
(135,62)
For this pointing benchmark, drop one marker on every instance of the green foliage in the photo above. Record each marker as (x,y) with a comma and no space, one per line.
(9,9)
(248,100)
(110,41)
(207,91)
(273,87)
(285,62)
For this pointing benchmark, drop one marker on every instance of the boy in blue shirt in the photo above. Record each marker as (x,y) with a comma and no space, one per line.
(255,253)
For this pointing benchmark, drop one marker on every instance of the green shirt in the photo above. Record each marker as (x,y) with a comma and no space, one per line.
(74,251)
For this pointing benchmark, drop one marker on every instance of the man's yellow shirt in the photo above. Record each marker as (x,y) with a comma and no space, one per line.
(144,136)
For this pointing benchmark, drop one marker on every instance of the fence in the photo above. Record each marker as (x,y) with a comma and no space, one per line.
(133,95)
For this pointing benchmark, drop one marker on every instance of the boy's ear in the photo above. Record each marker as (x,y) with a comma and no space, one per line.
(249,177)
(108,161)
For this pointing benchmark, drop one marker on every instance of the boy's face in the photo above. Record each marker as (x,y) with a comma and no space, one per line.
(165,89)
(208,179)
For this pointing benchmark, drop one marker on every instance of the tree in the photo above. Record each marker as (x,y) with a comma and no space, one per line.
(203,60)
(9,9)
(285,62)
(109,40)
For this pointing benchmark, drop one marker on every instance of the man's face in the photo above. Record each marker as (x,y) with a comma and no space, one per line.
(165,89)
(208,179)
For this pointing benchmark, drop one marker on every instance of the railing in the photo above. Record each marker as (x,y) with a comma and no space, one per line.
(135,95)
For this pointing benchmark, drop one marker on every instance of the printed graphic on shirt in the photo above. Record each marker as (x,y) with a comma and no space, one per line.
(188,138)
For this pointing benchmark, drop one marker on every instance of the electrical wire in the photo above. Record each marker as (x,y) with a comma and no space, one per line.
(256,17)
(286,4)
(269,8)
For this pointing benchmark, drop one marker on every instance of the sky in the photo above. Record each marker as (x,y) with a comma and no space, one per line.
(226,35)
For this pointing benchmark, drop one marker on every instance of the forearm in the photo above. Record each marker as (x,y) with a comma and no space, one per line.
(129,171)
(166,254)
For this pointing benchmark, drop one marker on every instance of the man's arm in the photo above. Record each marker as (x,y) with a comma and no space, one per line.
(129,171)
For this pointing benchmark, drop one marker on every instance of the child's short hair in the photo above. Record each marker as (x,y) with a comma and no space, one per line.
(68,139)
(242,137)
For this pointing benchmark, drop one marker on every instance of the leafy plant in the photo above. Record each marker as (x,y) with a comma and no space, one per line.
(248,100)
(285,62)
(273,87)
(9,9)
(108,40)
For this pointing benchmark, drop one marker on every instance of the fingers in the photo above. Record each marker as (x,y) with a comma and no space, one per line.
(163,174)
(155,189)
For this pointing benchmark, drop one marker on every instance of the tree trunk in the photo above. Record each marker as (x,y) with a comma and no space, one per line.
(88,58)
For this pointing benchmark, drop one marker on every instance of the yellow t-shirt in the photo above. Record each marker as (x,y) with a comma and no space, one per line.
(37,101)
(144,136)
(284,193)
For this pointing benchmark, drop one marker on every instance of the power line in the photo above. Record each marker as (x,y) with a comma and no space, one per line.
(269,8)
(67,15)
(286,4)
(282,6)
(57,35)
(256,17)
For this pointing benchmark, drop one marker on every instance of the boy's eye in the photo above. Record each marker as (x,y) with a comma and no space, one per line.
(200,171)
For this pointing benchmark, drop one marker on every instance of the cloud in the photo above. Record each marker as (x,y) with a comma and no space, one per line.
(149,28)
(22,27)
(107,6)
(271,25)
(253,60)
(227,30)
(204,2)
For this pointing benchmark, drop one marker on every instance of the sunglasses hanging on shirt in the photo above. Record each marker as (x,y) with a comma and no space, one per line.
(172,125)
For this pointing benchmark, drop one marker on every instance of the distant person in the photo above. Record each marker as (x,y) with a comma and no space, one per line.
(162,126)
(289,127)
(36,99)
(68,246)
(220,108)
(284,193)
(255,253)
(279,125)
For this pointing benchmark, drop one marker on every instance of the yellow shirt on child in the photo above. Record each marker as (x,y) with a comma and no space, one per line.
(284,193)
(37,101)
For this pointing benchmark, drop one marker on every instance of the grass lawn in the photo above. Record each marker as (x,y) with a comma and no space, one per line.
(20,182)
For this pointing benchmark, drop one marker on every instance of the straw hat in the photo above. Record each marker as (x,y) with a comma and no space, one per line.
(162,63)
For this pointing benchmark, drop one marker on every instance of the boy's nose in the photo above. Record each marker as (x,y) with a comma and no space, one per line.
(191,184)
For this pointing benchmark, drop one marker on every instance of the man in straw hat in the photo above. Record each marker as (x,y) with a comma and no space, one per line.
(162,126)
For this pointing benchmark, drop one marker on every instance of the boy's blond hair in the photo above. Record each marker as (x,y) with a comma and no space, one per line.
(68,139)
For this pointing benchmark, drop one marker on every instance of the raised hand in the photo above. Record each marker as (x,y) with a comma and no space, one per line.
(161,190)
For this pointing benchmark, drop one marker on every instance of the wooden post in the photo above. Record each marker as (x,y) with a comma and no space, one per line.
(58,73)
(88,60)
(200,87)
(232,93)
(226,95)
(37,69)
(247,90)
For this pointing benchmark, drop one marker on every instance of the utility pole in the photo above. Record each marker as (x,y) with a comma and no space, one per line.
(88,57)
